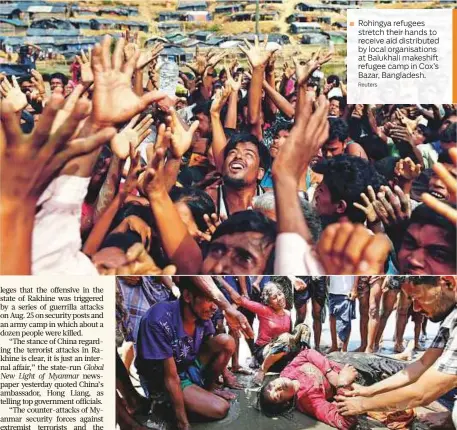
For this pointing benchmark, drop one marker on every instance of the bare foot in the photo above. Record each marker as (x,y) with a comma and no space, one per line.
(399,348)
(230,381)
(418,347)
(331,349)
(369,350)
(227,395)
(361,348)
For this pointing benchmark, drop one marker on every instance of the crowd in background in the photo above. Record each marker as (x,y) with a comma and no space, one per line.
(248,169)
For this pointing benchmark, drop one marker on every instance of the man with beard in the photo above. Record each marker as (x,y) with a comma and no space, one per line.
(245,162)
(428,378)
(175,340)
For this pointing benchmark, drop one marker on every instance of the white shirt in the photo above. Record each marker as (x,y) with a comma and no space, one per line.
(56,246)
(341,284)
(294,256)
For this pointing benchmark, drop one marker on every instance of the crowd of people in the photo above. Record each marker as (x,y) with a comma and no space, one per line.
(250,168)
(182,335)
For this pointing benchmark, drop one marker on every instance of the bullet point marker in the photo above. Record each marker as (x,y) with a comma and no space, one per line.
(351,23)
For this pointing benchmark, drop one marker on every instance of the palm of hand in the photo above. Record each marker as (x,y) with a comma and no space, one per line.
(87,77)
(114,99)
(181,140)
(258,57)
(120,144)
(17,98)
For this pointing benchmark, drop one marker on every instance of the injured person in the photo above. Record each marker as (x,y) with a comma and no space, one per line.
(312,380)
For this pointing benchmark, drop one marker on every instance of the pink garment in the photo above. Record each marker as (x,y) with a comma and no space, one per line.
(271,324)
(290,87)
(309,368)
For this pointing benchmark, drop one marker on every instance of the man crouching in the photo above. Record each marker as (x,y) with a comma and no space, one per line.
(177,352)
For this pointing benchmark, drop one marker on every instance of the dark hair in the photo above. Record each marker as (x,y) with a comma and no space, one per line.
(386,167)
(198,202)
(449,134)
(423,215)
(444,157)
(271,409)
(338,129)
(202,107)
(341,100)
(186,283)
(60,76)
(374,147)
(346,177)
(133,208)
(282,126)
(264,155)
(432,281)
(333,78)
(247,221)
(121,240)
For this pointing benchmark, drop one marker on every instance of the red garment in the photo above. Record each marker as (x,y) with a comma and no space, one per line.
(271,324)
(309,368)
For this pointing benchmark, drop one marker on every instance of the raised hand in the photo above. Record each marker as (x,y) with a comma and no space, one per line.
(87,76)
(34,159)
(131,135)
(150,56)
(213,58)
(198,65)
(407,169)
(135,169)
(153,181)
(38,82)
(397,205)
(235,84)
(220,98)
(114,100)
(451,184)
(13,95)
(181,139)
(308,134)
(288,70)
(212,223)
(369,205)
(348,249)
(257,54)
(316,61)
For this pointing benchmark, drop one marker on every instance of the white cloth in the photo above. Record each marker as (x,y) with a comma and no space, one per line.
(335,92)
(56,246)
(293,256)
(341,284)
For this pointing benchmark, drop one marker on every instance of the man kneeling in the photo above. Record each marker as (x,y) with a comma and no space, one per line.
(177,352)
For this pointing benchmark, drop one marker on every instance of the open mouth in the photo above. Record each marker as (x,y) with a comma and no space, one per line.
(437,194)
(236,166)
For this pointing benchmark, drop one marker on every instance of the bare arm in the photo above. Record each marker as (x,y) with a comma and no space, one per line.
(232,111)
(278,100)
(109,187)
(173,386)
(429,387)
(408,375)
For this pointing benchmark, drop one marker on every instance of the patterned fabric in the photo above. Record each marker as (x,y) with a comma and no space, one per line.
(162,336)
(315,393)
(280,122)
(446,339)
(139,297)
